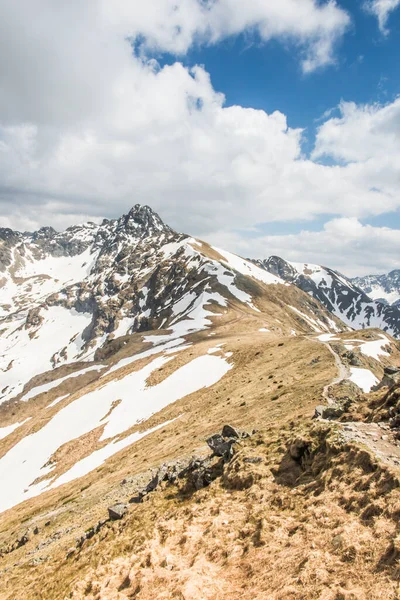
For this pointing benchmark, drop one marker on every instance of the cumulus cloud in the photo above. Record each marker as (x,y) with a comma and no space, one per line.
(91,124)
(382,9)
(344,244)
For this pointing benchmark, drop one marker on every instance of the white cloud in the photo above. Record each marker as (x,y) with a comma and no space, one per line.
(361,133)
(382,9)
(88,128)
(343,244)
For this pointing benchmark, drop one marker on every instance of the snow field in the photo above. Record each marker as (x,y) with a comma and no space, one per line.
(25,461)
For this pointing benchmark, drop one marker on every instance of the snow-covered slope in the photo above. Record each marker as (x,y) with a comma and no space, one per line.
(89,316)
(385,288)
(337,293)
(66,295)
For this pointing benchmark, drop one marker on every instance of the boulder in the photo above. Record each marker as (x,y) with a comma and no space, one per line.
(220,446)
(230,432)
(117,511)
(328,412)
(354,360)
(159,477)
(391,370)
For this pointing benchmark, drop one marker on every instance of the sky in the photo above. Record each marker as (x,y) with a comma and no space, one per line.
(263,127)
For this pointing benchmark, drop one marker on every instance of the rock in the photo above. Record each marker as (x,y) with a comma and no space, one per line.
(137,499)
(160,476)
(90,533)
(23,540)
(201,473)
(298,449)
(391,370)
(117,511)
(100,524)
(354,360)
(219,445)
(230,432)
(328,412)
(254,460)
(70,552)
(36,530)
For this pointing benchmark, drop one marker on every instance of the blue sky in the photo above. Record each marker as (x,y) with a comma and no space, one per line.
(124,105)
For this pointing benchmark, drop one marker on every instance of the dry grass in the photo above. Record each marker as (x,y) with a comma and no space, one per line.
(253,533)
(330,534)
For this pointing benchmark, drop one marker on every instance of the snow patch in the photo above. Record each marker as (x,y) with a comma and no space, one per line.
(364,378)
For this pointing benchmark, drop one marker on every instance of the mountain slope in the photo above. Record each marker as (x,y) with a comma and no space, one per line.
(384,288)
(337,293)
(75,338)
(125,346)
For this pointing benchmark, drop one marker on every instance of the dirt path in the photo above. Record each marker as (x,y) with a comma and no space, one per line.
(377,437)
(343,371)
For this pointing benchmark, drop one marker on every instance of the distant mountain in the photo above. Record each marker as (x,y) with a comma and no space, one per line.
(340,295)
(384,288)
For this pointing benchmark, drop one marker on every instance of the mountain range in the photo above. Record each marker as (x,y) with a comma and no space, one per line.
(346,298)
(127,352)
(385,288)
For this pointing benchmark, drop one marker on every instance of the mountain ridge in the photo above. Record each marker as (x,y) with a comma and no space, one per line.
(339,294)
(124,346)
(385,288)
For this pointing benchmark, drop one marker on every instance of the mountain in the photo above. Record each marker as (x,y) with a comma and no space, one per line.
(340,295)
(71,297)
(171,422)
(384,288)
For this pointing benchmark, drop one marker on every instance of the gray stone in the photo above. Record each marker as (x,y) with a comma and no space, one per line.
(391,370)
(328,412)
(230,432)
(354,360)
(117,511)
(137,499)
(160,476)
(219,445)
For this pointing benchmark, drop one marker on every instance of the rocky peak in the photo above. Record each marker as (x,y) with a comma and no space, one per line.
(385,288)
(142,221)
(280,267)
(44,233)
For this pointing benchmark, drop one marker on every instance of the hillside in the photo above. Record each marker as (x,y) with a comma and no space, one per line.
(340,295)
(124,347)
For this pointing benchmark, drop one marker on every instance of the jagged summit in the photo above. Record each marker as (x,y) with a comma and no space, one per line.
(145,219)
(384,288)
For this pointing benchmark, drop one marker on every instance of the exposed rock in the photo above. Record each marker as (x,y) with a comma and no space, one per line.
(299,448)
(117,511)
(391,370)
(328,412)
(160,476)
(220,446)
(201,473)
(354,360)
(230,432)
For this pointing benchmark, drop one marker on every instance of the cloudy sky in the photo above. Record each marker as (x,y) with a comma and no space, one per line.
(265,127)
